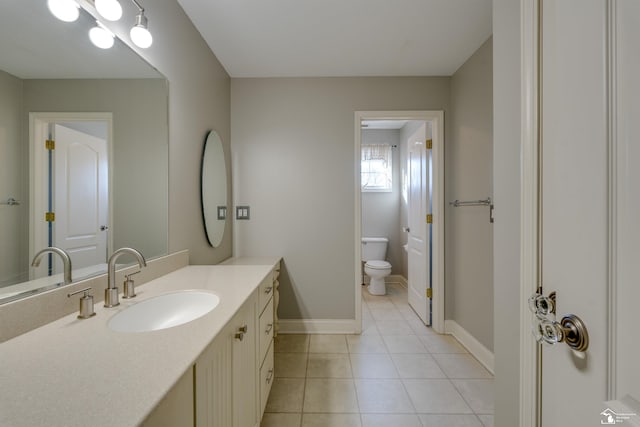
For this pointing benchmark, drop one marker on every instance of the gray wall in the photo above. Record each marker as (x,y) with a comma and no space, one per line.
(506,230)
(381,210)
(468,176)
(294,142)
(139,166)
(14,220)
(199,100)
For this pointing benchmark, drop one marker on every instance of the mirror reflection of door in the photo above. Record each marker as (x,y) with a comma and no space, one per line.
(75,188)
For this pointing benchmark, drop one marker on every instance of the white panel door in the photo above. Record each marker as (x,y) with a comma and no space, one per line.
(80,194)
(590,205)
(419,231)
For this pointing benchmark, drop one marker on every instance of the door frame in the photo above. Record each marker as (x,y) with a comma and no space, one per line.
(39,132)
(436,117)
(530,176)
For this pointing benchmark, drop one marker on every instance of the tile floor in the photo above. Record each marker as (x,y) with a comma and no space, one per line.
(398,373)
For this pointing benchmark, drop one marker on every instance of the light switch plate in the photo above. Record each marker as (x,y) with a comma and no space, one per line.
(243,212)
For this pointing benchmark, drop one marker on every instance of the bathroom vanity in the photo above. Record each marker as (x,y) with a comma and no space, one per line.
(215,370)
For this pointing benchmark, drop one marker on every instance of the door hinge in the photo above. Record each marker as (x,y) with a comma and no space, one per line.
(429,219)
(429,293)
(50,216)
(50,144)
(429,144)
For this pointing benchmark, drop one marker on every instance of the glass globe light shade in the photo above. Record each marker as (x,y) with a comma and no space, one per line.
(101,37)
(109,9)
(64,10)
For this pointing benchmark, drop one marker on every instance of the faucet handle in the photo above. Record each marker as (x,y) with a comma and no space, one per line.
(129,287)
(86,303)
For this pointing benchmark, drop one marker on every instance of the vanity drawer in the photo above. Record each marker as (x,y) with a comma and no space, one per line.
(267,374)
(266,329)
(265,292)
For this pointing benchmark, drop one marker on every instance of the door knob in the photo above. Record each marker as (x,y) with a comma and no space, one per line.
(570,329)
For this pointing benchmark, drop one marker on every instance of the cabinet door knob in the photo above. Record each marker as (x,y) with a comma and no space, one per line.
(269,327)
(239,336)
(270,377)
(268,289)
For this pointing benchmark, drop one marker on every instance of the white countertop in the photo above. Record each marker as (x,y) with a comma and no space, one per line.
(74,372)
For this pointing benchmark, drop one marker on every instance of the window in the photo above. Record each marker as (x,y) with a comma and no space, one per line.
(375,168)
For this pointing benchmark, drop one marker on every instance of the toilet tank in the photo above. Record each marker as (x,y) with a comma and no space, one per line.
(374,248)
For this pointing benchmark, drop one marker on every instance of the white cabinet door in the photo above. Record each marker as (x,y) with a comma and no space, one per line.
(245,366)
(226,374)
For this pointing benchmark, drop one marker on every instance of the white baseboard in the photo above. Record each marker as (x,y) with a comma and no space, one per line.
(318,326)
(396,278)
(474,346)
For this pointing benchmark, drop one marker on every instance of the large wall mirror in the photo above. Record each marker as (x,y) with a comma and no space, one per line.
(56,85)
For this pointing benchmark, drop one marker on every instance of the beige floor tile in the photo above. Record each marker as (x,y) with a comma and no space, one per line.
(366,344)
(291,365)
(404,344)
(322,365)
(487,420)
(328,344)
(449,421)
(436,396)
(418,327)
(477,393)
(286,395)
(291,343)
(383,396)
(417,366)
(369,327)
(281,420)
(394,327)
(442,344)
(330,395)
(461,366)
(331,420)
(373,366)
(384,313)
(387,420)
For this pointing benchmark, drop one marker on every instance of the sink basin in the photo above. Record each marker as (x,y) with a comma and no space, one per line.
(164,311)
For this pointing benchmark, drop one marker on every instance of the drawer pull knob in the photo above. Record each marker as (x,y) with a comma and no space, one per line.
(268,289)
(269,327)
(270,377)
(240,336)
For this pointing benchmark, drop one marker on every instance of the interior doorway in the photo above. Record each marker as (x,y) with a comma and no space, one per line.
(420,149)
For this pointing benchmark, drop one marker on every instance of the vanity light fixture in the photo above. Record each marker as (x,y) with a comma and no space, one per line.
(101,37)
(64,10)
(140,35)
(111,10)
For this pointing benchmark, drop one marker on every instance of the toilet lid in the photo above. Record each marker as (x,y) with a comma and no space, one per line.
(378,265)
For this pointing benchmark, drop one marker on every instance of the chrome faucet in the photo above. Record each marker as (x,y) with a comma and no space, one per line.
(111,293)
(66,261)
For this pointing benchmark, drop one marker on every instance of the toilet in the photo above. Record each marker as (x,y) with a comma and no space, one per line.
(374,252)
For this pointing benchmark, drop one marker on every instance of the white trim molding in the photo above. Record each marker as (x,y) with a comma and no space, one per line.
(475,347)
(318,326)
(529,205)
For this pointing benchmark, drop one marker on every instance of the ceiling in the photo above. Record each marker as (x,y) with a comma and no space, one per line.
(337,38)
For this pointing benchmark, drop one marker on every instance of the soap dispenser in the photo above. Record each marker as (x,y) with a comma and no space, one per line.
(86,303)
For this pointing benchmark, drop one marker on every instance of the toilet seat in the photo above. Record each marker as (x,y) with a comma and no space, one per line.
(377,265)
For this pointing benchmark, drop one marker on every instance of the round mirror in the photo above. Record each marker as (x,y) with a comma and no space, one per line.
(214,189)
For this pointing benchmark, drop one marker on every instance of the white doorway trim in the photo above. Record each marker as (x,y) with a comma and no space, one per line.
(529,411)
(38,133)
(437,120)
